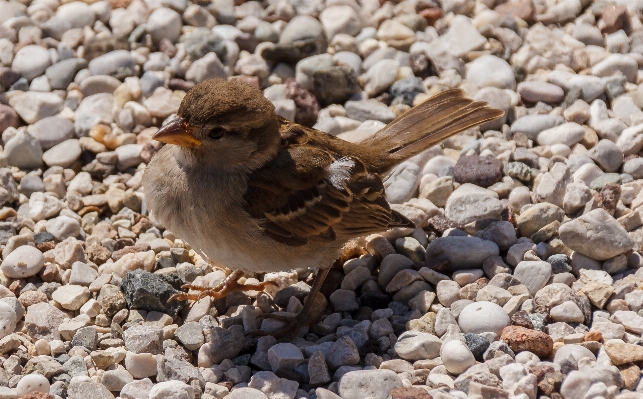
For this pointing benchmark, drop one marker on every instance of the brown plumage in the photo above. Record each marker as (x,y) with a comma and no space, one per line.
(257,192)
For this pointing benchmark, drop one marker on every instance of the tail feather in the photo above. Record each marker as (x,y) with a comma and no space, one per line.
(424,126)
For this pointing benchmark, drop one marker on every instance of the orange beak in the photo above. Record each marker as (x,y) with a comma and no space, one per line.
(177,132)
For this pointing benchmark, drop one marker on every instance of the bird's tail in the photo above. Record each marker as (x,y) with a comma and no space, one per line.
(424,126)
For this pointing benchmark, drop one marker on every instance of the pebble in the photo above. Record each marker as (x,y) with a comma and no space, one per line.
(171,390)
(32,383)
(24,261)
(616,63)
(51,131)
(8,118)
(342,352)
(462,252)
(63,154)
(597,235)
(607,155)
(456,356)
(71,297)
(284,356)
(480,317)
(31,61)
(536,91)
(414,345)
(470,203)
(376,384)
(33,106)
(481,171)
(569,133)
(490,70)
(117,63)
(533,274)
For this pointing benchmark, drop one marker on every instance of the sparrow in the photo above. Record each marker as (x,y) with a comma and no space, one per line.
(256,192)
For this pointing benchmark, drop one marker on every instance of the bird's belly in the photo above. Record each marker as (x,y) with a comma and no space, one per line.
(213,221)
(230,237)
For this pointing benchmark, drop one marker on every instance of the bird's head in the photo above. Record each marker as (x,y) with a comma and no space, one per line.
(224,124)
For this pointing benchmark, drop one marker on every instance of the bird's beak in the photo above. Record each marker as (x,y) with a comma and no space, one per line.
(177,131)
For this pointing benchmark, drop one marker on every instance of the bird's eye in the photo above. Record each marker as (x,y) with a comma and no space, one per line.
(216,132)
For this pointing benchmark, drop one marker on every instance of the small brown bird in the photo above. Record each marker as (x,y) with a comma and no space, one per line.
(256,192)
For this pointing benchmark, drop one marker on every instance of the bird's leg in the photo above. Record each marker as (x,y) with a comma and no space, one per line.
(308,314)
(228,285)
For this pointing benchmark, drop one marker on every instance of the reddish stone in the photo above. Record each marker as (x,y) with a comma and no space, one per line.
(610,194)
(522,319)
(45,246)
(523,9)
(8,118)
(50,273)
(98,254)
(431,15)
(142,226)
(523,339)
(16,286)
(410,393)
(31,298)
(593,336)
(541,371)
(305,101)
(550,382)
(615,17)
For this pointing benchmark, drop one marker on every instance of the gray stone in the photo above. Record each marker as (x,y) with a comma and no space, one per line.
(597,235)
(33,106)
(532,125)
(62,73)
(415,345)
(607,155)
(144,339)
(369,110)
(117,63)
(23,151)
(375,384)
(63,154)
(533,274)
(85,387)
(470,203)
(51,131)
(190,335)
(31,61)
(462,252)
(93,110)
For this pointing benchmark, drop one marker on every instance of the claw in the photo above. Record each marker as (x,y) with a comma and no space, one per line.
(228,285)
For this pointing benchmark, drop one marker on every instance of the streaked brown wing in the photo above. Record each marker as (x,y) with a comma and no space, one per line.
(308,193)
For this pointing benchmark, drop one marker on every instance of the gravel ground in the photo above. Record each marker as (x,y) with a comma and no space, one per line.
(523,279)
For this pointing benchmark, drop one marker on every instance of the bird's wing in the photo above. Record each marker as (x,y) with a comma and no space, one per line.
(308,193)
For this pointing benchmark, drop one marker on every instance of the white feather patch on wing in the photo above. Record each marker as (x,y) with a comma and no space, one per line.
(339,172)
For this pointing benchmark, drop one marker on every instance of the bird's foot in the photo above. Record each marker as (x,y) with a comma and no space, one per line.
(228,285)
(292,324)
